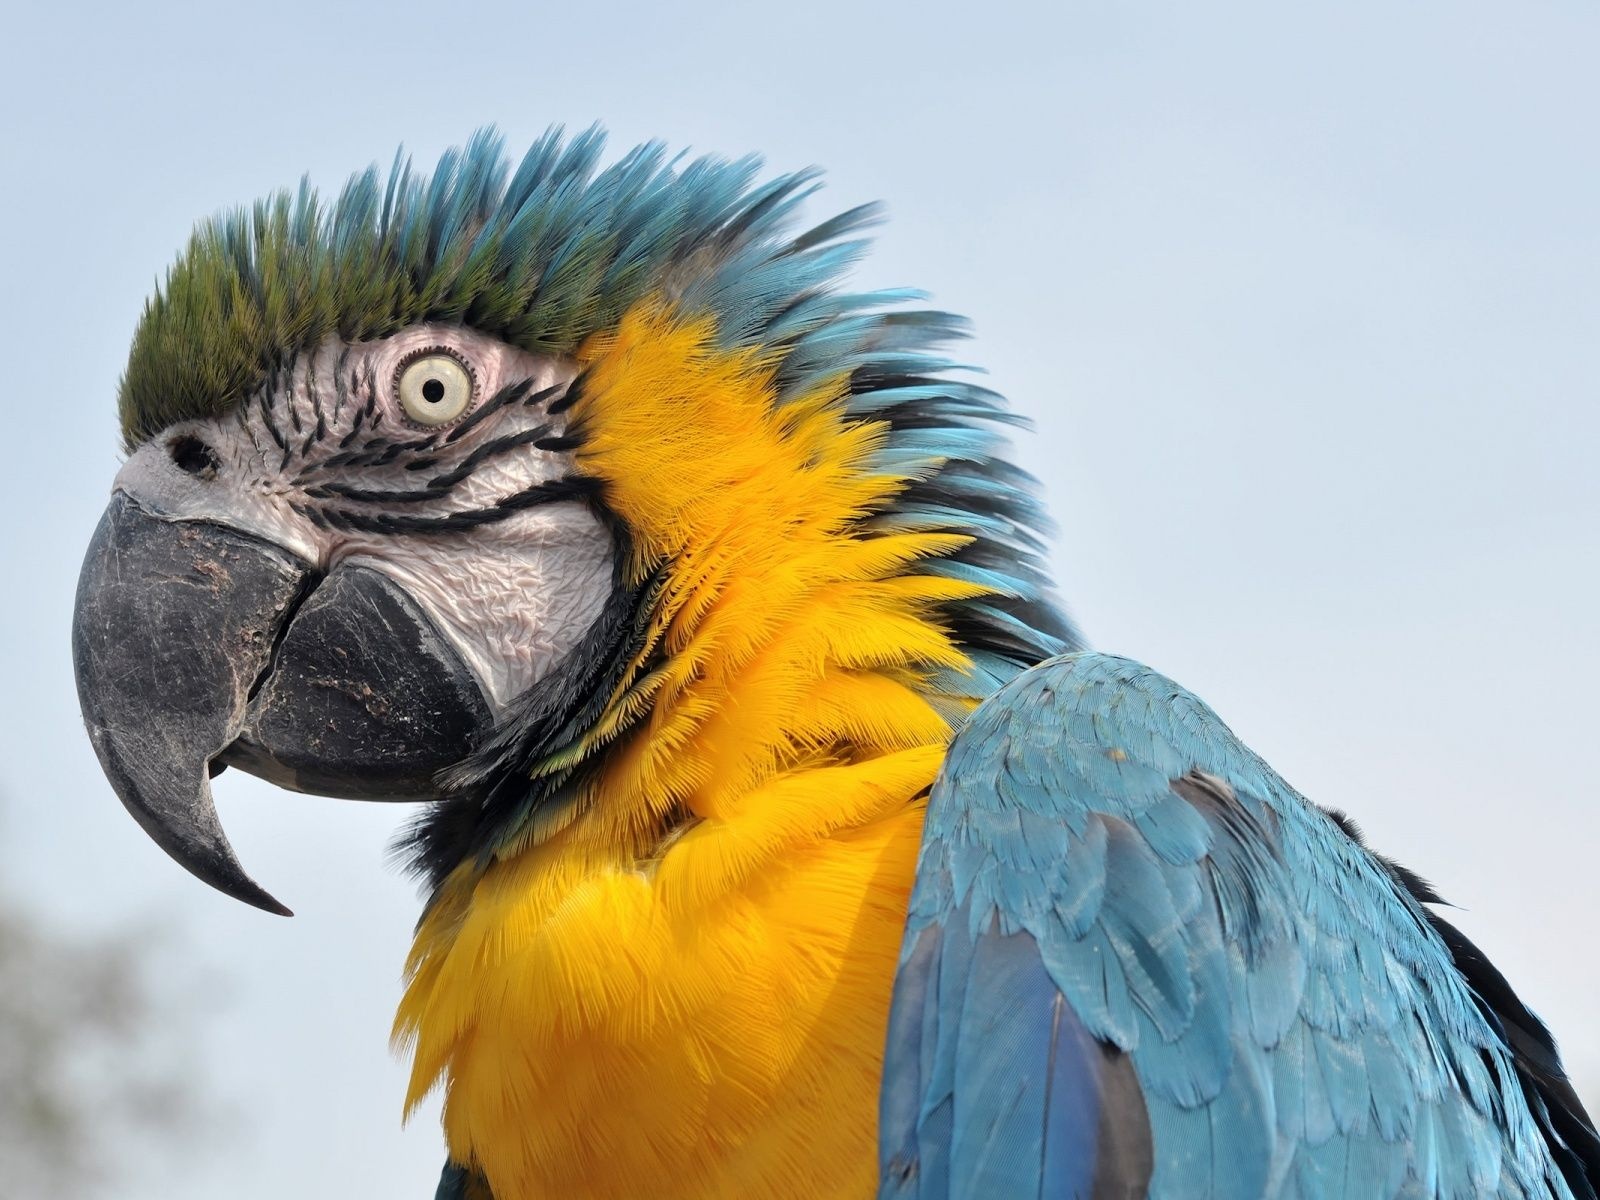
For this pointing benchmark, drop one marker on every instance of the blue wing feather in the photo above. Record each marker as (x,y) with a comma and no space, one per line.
(1138,963)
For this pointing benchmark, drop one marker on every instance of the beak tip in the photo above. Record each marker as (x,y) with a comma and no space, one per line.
(212,861)
(267,903)
(203,849)
(233,883)
(182,821)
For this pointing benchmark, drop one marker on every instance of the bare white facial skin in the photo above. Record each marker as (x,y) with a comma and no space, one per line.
(317,460)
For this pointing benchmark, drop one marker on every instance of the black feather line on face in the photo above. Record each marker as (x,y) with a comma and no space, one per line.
(439,486)
(267,406)
(319,430)
(551,491)
(355,431)
(509,394)
(341,388)
(560,445)
(543,395)
(294,409)
(488,450)
(367,381)
(378,452)
(573,394)
(345,491)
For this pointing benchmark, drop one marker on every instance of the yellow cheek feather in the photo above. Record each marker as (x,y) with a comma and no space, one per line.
(681,988)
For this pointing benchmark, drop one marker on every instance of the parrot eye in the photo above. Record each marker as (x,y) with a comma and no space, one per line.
(435,388)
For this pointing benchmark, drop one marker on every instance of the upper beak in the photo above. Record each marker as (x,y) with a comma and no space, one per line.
(197,644)
(174,627)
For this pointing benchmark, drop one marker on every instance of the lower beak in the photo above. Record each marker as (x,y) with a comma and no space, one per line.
(196,644)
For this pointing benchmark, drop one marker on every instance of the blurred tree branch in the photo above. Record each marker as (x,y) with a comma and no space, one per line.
(95,1064)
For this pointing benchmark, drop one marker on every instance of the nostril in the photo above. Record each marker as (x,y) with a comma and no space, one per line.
(194,456)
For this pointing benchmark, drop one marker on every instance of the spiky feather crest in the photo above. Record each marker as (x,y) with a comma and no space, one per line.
(540,257)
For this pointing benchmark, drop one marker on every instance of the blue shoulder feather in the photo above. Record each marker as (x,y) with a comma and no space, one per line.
(1138,963)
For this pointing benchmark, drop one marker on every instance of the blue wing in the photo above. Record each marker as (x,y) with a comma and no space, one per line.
(1137,963)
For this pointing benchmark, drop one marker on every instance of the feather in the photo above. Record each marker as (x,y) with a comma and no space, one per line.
(1295,1024)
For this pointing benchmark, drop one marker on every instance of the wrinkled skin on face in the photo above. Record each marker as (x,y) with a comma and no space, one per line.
(332,590)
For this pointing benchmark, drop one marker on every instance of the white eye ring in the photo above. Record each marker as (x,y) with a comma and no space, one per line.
(435,388)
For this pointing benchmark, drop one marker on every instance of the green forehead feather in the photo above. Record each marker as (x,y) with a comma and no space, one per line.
(541,256)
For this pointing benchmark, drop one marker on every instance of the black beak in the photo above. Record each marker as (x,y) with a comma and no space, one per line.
(174,628)
(196,645)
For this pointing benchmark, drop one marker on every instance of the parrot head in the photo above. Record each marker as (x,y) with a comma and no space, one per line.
(462,485)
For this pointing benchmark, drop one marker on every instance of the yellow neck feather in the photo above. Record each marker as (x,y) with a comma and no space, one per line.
(682,989)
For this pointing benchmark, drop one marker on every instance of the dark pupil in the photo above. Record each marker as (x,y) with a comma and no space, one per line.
(433,391)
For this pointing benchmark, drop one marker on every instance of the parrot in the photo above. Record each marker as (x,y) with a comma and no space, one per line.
(779,834)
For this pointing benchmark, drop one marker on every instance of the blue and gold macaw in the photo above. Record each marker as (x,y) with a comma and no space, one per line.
(782,839)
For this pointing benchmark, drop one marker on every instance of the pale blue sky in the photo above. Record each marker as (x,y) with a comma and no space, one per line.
(1302,299)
